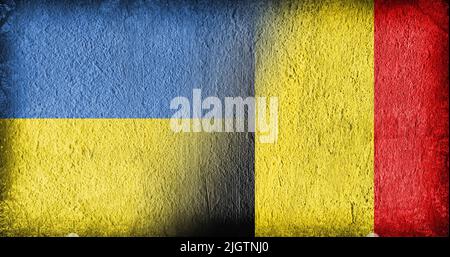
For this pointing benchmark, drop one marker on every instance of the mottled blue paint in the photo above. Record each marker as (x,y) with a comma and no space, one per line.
(122,59)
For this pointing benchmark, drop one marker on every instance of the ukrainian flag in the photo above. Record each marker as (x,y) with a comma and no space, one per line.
(86,145)
(86,141)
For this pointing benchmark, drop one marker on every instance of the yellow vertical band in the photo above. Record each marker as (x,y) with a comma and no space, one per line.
(317,180)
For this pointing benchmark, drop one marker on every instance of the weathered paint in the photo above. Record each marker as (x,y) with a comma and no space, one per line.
(358,154)
(317,180)
(411,118)
(122,59)
(123,177)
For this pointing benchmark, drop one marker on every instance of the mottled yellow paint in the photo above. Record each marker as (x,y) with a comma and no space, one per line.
(317,180)
(105,177)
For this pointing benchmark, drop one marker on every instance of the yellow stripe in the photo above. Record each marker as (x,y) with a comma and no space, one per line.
(317,180)
(103,177)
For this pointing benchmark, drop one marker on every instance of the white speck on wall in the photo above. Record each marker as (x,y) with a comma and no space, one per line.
(373,235)
(72,235)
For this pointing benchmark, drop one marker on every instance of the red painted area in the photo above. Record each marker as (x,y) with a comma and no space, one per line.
(411,118)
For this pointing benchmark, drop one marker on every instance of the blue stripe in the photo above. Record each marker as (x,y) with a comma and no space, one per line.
(114,60)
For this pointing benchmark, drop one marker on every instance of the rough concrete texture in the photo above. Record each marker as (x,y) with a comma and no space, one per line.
(317,180)
(411,118)
(129,177)
(122,59)
(363,118)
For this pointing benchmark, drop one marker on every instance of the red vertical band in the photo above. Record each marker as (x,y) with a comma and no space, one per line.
(411,118)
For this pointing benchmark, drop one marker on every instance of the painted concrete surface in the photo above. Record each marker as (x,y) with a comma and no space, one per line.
(411,118)
(127,177)
(317,180)
(98,60)
(122,59)
(86,147)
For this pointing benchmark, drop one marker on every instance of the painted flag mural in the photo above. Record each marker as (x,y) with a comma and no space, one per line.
(352,139)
